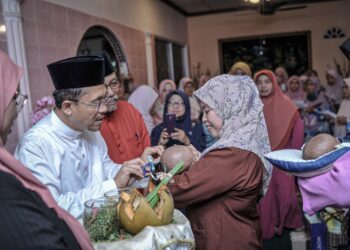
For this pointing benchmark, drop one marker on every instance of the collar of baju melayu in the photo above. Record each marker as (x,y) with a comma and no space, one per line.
(61,128)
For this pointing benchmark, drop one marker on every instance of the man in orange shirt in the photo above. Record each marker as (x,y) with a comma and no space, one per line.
(123,128)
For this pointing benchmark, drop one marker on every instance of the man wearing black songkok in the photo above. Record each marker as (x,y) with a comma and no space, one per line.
(65,150)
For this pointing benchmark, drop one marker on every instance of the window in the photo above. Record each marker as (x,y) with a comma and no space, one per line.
(292,51)
(171,60)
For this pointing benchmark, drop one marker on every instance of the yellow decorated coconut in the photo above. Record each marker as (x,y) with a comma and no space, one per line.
(135,211)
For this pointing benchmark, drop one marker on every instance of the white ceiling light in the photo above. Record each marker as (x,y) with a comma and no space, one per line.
(252,1)
(2,28)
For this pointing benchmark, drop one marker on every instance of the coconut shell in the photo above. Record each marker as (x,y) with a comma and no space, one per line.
(135,212)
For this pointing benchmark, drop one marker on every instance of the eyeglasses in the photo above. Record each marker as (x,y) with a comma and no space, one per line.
(177,104)
(115,83)
(97,105)
(20,100)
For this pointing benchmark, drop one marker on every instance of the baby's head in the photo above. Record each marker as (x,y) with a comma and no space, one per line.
(174,154)
(319,145)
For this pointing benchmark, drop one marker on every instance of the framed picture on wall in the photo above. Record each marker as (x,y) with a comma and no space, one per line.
(289,50)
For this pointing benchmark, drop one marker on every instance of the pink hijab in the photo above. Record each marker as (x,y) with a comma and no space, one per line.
(344,110)
(335,91)
(282,78)
(10,75)
(183,81)
(143,98)
(297,95)
(163,84)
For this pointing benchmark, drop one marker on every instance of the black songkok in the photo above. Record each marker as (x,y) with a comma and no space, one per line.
(77,72)
(108,63)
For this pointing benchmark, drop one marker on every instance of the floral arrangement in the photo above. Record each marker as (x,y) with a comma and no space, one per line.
(43,107)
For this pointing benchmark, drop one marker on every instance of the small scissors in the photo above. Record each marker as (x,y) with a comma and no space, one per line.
(150,167)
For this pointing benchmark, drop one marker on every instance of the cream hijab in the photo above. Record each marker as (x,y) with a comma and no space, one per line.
(335,91)
(236,100)
(344,110)
(10,75)
(143,99)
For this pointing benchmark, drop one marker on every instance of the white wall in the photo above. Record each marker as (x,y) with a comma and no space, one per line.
(145,15)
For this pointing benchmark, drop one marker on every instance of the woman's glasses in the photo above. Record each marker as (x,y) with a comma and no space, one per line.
(176,104)
(20,100)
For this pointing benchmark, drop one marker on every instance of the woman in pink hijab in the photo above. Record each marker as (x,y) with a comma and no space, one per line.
(165,87)
(343,115)
(334,89)
(186,85)
(282,78)
(30,218)
(295,89)
(279,208)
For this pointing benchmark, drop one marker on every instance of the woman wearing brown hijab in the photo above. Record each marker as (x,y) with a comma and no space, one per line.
(279,208)
(29,216)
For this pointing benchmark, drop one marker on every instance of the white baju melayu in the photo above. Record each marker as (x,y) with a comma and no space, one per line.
(74,165)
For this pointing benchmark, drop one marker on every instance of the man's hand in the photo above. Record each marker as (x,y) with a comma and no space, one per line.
(129,173)
(156,152)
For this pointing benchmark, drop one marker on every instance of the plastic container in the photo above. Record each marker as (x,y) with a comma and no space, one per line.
(101,218)
(115,193)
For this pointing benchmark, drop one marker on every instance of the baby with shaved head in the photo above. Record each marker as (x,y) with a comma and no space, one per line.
(319,145)
(173,155)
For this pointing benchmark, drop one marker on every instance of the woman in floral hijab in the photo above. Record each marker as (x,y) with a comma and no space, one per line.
(221,190)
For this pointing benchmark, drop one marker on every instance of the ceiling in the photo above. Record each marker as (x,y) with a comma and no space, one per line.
(206,7)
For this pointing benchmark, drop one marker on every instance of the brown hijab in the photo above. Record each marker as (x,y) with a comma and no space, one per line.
(279,111)
(10,75)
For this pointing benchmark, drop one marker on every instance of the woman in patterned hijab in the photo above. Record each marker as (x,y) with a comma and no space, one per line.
(239,106)
(220,191)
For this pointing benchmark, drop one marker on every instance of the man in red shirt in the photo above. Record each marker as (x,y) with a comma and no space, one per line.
(123,128)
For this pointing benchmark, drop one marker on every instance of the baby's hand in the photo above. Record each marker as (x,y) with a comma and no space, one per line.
(162,175)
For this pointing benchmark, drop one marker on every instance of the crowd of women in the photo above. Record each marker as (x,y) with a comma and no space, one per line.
(323,107)
(232,196)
